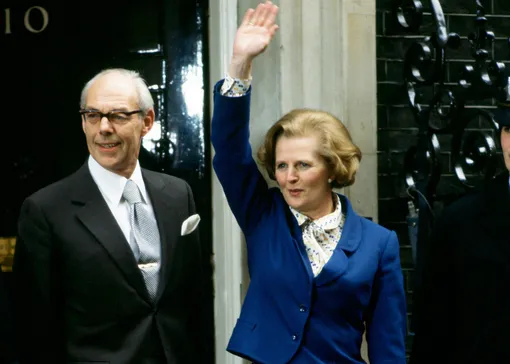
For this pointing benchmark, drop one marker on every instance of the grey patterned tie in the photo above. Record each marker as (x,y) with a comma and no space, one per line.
(144,229)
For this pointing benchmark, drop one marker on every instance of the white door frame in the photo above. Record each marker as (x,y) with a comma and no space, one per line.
(227,237)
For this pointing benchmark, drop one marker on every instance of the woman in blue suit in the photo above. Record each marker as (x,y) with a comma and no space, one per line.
(320,274)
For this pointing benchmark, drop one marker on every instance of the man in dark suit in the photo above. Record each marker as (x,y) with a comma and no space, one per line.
(463,306)
(107,263)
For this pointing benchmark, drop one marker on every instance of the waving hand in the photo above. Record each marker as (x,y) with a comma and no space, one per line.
(252,38)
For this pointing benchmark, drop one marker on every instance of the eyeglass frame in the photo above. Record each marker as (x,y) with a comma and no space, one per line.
(107,115)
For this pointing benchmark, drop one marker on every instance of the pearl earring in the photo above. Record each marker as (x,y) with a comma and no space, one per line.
(330,180)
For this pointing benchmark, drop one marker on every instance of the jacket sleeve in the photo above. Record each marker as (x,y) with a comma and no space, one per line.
(244,186)
(433,299)
(34,270)
(200,320)
(7,342)
(386,321)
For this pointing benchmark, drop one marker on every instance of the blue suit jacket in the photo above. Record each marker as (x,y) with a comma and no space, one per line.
(289,315)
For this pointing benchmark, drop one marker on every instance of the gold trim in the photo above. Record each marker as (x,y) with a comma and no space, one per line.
(7,246)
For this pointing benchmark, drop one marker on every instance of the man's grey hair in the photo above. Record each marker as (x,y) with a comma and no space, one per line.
(145,100)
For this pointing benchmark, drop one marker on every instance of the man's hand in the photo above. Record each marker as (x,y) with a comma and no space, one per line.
(252,38)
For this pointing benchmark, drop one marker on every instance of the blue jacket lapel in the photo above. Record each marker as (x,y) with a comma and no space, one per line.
(349,242)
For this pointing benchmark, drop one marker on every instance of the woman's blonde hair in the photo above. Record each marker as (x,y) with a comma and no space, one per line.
(335,144)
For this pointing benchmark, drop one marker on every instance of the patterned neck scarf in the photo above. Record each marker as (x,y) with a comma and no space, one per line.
(321,236)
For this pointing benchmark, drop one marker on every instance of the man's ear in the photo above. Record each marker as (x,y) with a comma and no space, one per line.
(148,122)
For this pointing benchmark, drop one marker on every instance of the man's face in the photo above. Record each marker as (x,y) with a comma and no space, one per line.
(115,145)
(505,145)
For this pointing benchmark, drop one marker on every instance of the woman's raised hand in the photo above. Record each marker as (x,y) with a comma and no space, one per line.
(252,38)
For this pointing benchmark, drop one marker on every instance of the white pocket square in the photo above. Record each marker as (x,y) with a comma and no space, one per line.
(190,224)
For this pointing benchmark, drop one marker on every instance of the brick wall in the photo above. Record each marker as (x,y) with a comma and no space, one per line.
(397,128)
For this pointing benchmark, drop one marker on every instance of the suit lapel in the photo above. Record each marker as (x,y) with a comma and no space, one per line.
(96,216)
(349,242)
(166,209)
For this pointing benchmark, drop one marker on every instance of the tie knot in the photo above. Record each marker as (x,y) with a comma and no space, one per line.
(131,193)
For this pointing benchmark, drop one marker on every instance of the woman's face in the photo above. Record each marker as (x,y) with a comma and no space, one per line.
(302,175)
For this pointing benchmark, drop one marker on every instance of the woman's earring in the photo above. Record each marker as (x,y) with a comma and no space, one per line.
(330,180)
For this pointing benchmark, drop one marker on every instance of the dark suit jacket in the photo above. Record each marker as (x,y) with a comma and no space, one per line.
(288,315)
(80,295)
(463,307)
(7,343)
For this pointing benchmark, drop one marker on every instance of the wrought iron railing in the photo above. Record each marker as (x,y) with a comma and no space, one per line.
(473,130)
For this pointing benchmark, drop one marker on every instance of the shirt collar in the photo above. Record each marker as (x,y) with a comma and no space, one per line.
(112,185)
(327,222)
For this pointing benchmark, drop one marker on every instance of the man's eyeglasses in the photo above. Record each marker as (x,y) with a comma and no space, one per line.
(114,117)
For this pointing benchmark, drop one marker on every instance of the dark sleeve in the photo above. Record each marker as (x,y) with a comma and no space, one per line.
(35,309)
(199,319)
(7,342)
(433,297)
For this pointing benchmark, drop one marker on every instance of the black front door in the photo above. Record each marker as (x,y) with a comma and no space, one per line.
(49,49)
